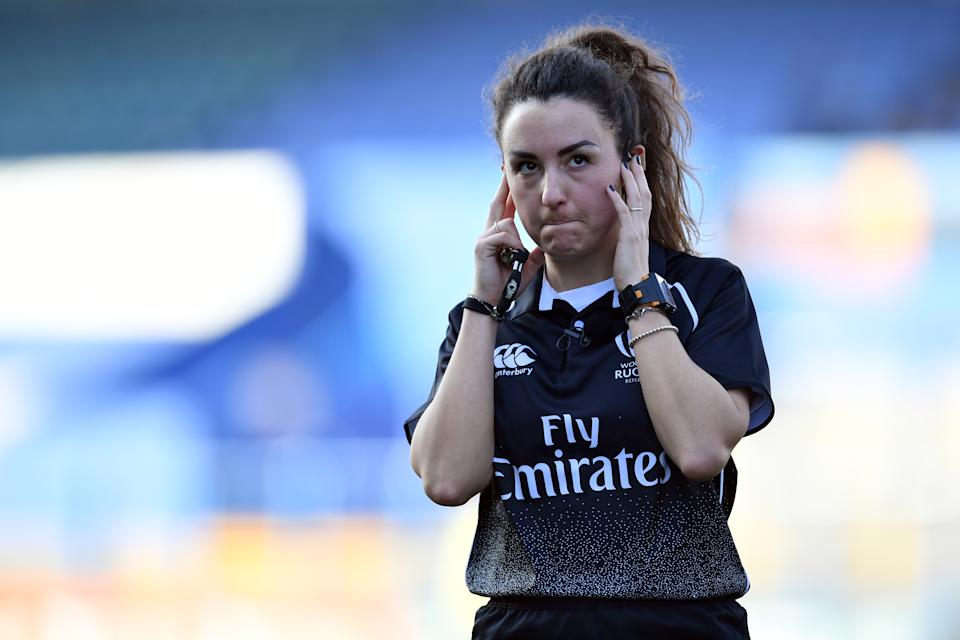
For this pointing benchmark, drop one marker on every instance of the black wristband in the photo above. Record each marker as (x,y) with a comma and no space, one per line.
(476,304)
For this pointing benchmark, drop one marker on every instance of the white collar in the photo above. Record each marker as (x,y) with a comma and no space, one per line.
(578,298)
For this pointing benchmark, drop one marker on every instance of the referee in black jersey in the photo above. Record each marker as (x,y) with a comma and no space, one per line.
(592,390)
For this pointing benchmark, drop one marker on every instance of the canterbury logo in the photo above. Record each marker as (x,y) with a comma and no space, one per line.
(513,356)
(623,344)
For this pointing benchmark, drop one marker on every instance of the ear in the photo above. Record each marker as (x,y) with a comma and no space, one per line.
(639,150)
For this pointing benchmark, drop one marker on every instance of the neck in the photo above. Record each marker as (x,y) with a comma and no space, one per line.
(564,275)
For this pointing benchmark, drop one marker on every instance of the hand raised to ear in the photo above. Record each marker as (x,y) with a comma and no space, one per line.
(501,230)
(632,261)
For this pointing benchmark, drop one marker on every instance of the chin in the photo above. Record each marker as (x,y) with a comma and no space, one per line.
(561,244)
(565,252)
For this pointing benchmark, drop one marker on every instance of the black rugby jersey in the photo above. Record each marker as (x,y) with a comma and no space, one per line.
(584,500)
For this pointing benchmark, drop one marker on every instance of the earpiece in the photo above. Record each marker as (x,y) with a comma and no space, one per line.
(628,157)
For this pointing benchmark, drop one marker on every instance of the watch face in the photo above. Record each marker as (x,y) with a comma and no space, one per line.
(665,291)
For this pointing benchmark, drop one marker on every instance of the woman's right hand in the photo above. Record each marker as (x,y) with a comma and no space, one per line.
(491,274)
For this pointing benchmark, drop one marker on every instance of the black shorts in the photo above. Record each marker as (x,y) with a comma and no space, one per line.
(582,618)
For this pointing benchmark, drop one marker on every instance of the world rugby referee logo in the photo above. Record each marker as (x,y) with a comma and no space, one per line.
(627,371)
(623,343)
(513,360)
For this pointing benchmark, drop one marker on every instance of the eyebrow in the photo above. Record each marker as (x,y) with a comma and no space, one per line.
(564,151)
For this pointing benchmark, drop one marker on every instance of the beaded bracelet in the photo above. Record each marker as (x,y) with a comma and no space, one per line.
(668,327)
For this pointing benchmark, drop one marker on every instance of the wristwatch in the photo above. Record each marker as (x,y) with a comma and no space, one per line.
(652,291)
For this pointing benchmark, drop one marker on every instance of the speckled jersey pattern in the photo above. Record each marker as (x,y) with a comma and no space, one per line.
(584,501)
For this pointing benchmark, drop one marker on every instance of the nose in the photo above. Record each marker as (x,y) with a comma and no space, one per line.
(553,191)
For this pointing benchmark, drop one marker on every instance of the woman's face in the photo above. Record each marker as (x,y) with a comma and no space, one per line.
(559,157)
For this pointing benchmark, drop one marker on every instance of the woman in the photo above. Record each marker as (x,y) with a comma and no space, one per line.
(599,433)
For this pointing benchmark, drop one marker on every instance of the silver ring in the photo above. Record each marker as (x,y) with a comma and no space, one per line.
(496,226)
(636,208)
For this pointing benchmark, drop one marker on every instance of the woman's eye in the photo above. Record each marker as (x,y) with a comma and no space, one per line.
(578,161)
(526,167)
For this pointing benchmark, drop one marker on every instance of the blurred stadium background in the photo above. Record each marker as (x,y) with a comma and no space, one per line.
(230,232)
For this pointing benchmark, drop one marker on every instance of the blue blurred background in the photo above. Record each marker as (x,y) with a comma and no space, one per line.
(230,232)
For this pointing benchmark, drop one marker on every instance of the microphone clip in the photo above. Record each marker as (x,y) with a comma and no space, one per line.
(575,333)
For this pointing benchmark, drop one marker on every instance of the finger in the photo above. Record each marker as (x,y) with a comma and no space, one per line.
(510,208)
(639,169)
(645,198)
(638,193)
(503,225)
(492,243)
(499,202)
(630,184)
(510,226)
(623,212)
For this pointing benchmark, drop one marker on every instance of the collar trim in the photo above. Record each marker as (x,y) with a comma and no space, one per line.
(548,294)
(530,298)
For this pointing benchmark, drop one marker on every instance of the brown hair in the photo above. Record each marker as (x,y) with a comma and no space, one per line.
(634,89)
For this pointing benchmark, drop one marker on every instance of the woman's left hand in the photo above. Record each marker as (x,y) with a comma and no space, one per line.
(631,261)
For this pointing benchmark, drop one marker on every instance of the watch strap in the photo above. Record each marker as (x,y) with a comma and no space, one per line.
(649,292)
(474,303)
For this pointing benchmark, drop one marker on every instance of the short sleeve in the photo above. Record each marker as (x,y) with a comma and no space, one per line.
(726,344)
(454,318)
